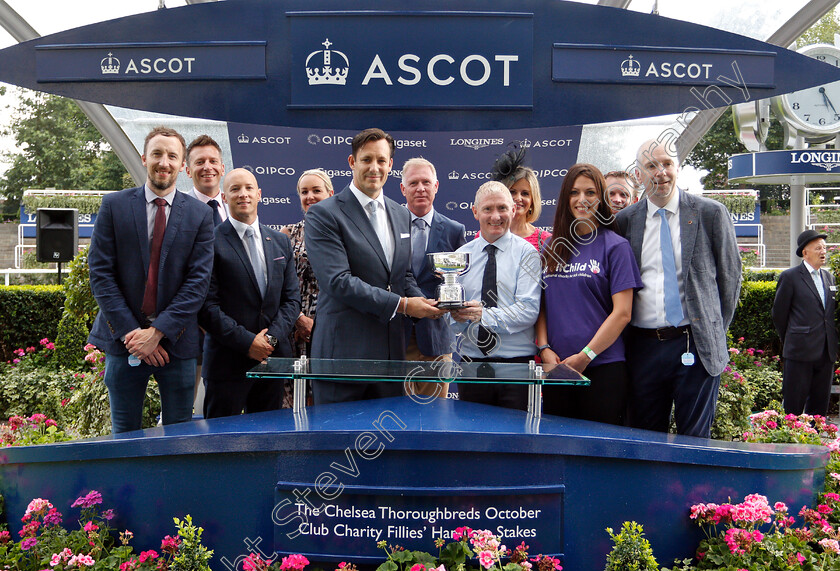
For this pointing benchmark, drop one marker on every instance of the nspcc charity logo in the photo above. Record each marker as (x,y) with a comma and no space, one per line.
(594,266)
(320,70)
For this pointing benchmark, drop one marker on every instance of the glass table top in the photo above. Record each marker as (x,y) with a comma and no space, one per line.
(399,371)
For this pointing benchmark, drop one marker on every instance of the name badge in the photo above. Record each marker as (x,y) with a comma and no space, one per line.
(832,288)
(404,235)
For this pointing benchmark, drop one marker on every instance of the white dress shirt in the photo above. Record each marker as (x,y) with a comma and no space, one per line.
(240,228)
(649,302)
(151,208)
(206,200)
(383,230)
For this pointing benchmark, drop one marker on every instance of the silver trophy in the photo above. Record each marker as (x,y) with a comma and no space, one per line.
(450,265)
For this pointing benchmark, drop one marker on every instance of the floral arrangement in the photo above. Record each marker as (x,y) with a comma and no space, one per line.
(37,429)
(46,546)
(752,536)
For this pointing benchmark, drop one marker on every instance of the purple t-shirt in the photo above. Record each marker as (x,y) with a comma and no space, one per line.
(579,299)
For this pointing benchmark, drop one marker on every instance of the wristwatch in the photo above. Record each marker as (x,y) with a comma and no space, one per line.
(272,340)
(541,347)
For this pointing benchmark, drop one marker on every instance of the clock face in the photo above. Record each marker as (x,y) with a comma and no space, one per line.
(817,109)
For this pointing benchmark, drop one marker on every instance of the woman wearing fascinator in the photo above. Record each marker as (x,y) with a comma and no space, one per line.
(525,190)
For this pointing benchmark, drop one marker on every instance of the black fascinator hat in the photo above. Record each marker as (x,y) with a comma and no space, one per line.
(505,166)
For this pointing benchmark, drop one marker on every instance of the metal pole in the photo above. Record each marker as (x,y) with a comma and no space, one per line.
(797,207)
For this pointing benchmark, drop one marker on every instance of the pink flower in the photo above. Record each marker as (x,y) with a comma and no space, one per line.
(293,563)
(780,507)
(81,559)
(28,543)
(90,526)
(38,505)
(150,554)
(91,499)
(824,509)
(44,341)
(486,559)
(418,567)
(830,545)
(800,557)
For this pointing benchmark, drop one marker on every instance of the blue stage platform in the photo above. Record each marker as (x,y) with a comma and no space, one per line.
(407,473)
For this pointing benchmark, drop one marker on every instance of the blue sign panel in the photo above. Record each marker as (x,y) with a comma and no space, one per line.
(179,61)
(28,222)
(746,224)
(465,67)
(452,65)
(777,167)
(414,518)
(600,63)
(463,159)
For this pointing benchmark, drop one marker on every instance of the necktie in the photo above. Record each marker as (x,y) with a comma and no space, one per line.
(256,260)
(418,245)
(818,282)
(376,221)
(217,218)
(487,340)
(149,306)
(673,307)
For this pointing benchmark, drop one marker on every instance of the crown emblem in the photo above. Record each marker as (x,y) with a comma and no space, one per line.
(243,138)
(630,67)
(454,175)
(110,64)
(325,73)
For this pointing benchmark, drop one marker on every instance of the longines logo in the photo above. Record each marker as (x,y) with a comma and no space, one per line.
(322,72)
(829,160)
(475,144)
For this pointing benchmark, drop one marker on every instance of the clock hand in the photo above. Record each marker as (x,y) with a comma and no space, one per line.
(827,100)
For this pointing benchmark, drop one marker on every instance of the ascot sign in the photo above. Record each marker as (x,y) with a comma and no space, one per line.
(445,65)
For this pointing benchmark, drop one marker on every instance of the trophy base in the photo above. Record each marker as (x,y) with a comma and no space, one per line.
(451,305)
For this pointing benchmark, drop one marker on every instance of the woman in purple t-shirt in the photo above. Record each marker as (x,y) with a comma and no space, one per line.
(590,274)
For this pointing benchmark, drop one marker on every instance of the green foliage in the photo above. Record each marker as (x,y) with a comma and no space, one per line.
(57,147)
(820,33)
(736,204)
(756,275)
(27,315)
(735,403)
(84,203)
(27,388)
(79,312)
(32,431)
(191,555)
(631,551)
(752,319)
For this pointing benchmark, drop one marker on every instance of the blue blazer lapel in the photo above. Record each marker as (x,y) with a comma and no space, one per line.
(232,238)
(356,214)
(272,251)
(138,211)
(401,247)
(688,229)
(172,225)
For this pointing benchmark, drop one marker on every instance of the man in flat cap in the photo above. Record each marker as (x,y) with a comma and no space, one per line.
(803,313)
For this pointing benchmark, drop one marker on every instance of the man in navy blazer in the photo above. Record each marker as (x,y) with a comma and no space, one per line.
(147,321)
(691,269)
(803,313)
(251,307)
(359,245)
(431,231)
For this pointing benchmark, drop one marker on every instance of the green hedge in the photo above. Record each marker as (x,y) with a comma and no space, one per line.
(753,319)
(27,315)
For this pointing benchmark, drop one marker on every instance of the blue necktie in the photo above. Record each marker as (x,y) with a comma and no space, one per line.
(673,307)
(217,218)
(418,245)
(256,261)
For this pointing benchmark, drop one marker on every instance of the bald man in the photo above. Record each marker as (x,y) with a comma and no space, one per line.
(251,307)
(691,270)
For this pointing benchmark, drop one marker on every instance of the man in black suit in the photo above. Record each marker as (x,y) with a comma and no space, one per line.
(803,313)
(251,307)
(431,231)
(359,245)
(150,257)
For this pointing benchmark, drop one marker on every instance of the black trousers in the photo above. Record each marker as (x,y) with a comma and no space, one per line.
(328,392)
(604,400)
(229,397)
(658,379)
(806,385)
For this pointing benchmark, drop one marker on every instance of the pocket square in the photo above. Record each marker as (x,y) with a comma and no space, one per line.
(404,235)
(280,258)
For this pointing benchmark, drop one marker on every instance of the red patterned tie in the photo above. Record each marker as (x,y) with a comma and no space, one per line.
(150,295)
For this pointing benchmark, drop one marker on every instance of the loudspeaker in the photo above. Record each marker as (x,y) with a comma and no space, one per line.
(56,234)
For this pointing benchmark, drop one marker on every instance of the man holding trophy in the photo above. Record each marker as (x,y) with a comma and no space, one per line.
(499,327)
(431,231)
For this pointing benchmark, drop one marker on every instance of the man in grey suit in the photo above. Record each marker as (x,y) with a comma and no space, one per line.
(431,231)
(676,345)
(359,246)
(803,313)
